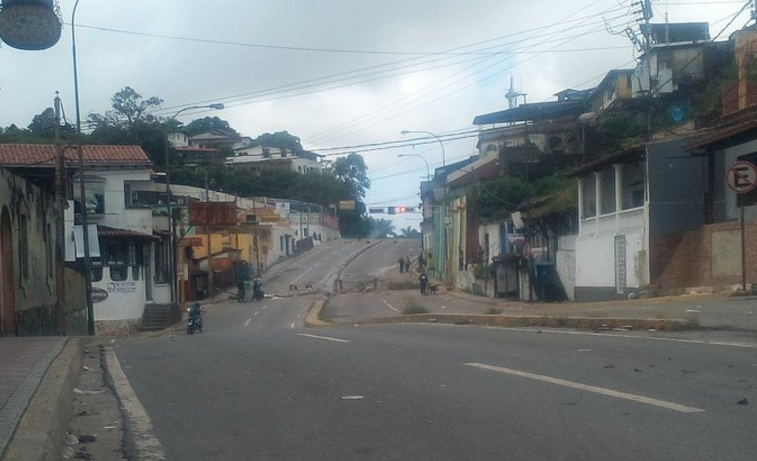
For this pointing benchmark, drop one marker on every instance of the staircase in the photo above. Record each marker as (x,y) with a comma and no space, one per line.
(157,317)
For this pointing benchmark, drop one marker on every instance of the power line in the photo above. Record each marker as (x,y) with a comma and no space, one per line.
(269,91)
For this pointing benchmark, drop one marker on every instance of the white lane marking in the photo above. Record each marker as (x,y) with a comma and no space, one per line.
(247,322)
(327,338)
(147,445)
(256,313)
(611,335)
(292,326)
(585,387)
(390,306)
(265,307)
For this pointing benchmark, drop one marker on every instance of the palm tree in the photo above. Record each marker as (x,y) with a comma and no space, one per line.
(409,233)
(382,228)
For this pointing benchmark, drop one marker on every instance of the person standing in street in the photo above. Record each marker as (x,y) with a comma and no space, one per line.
(243,277)
(407,264)
(423,278)
(401,262)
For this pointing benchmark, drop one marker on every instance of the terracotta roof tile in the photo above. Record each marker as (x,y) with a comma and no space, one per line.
(44,155)
(113,232)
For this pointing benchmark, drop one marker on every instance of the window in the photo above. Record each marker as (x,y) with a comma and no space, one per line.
(94,194)
(140,195)
(135,270)
(96,274)
(119,273)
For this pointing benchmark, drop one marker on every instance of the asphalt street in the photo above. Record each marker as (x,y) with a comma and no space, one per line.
(258,384)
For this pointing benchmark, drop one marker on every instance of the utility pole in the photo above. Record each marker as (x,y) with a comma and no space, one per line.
(60,197)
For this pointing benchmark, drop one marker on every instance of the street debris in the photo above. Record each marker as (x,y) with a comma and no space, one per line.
(72,439)
(609,367)
(743,402)
(692,311)
(87,438)
(81,392)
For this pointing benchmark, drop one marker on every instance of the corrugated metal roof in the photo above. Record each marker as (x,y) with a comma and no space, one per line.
(44,155)
(533,112)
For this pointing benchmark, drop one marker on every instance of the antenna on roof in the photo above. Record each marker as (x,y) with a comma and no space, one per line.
(512,95)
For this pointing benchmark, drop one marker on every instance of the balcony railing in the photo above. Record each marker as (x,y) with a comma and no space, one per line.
(611,223)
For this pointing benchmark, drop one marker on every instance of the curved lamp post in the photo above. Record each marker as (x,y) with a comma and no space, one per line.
(172,269)
(428,172)
(444,203)
(406,132)
(82,188)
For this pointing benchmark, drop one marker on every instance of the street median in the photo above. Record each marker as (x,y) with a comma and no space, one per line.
(539,321)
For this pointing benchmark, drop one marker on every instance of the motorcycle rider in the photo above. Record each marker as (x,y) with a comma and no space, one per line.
(195,314)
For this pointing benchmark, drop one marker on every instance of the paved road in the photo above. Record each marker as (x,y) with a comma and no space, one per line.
(259,385)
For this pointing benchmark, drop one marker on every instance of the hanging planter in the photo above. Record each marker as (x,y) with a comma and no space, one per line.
(29,24)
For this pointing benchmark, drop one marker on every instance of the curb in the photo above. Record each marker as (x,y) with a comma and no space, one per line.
(544,321)
(139,441)
(313,318)
(41,432)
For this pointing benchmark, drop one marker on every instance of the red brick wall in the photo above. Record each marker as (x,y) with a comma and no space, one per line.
(685,260)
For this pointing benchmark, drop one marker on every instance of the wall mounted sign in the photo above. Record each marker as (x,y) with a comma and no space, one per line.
(742,177)
(29,24)
(122,287)
(98,294)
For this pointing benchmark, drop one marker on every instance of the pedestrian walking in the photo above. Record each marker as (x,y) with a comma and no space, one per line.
(243,278)
(401,262)
(407,264)
(423,278)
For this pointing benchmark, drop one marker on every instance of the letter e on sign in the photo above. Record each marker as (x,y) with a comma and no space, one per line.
(742,177)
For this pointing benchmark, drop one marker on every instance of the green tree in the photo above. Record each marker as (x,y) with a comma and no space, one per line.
(202,125)
(130,124)
(353,171)
(382,228)
(130,104)
(280,139)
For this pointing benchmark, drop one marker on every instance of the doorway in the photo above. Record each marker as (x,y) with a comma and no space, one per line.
(7,284)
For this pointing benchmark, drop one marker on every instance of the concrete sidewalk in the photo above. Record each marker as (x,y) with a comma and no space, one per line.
(38,375)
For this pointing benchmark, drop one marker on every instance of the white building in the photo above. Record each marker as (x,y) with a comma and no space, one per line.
(260,158)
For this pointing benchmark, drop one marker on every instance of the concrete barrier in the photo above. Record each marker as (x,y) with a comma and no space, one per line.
(41,432)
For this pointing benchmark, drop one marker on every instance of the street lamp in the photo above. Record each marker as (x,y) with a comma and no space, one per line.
(173,272)
(446,234)
(406,132)
(428,172)
(82,188)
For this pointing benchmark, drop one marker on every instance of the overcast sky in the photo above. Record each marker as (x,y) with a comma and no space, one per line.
(338,73)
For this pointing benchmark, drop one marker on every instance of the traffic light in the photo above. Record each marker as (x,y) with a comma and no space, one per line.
(399,209)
